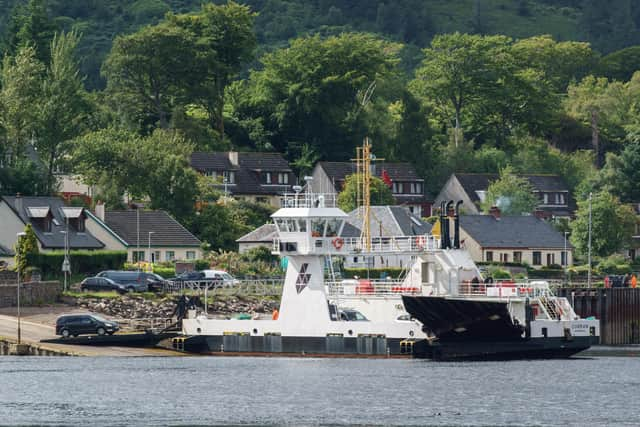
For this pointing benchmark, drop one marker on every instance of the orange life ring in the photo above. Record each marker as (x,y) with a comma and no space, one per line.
(337,243)
(420,242)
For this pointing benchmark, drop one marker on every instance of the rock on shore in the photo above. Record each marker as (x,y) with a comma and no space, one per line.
(137,307)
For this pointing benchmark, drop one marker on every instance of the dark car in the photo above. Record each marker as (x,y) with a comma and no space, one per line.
(78,324)
(102,284)
(189,276)
(133,281)
(155,282)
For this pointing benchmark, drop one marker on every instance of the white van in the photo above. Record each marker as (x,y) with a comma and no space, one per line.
(222,277)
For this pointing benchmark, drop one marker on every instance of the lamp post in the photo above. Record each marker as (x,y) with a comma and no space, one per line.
(20,236)
(66,268)
(138,236)
(150,255)
(589,271)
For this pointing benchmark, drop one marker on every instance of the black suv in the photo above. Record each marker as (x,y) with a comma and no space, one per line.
(77,324)
(134,281)
(101,284)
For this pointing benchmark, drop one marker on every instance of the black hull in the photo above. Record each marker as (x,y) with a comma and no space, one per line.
(274,345)
(534,348)
(482,330)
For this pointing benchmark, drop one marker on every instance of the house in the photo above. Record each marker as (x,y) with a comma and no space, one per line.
(518,238)
(385,221)
(146,235)
(471,188)
(254,177)
(407,187)
(54,224)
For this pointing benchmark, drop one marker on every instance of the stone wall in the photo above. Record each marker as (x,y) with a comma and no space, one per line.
(32,293)
(8,277)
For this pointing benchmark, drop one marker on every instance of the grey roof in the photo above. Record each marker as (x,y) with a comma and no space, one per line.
(166,230)
(5,252)
(202,161)
(264,233)
(387,221)
(473,182)
(338,171)
(53,239)
(512,232)
(263,161)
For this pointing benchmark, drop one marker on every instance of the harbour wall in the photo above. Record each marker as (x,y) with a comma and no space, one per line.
(9,347)
(31,293)
(618,310)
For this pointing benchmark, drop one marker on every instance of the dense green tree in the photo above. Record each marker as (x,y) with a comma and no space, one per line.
(224,43)
(63,108)
(380,193)
(512,194)
(620,65)
(25,245)
(312,91)
(144,72)
(620,175)
(23,176)
(30,25)
(612,225)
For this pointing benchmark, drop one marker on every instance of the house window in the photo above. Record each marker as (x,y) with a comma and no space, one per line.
(267,177)
(169,255)
(212,174)
(261,200)
(551,259)
(355,259)
(413,188)
(283,178)
(156,256)
(229,177)
(545,198)
(138,256)
(537,258)
(418,188)
(563,258)
(504,257)
(191,254)
(517,257)
(489,256)
(397,187)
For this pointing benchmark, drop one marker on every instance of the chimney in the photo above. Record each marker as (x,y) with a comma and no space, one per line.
(233,158)
(495,212)
(19,203)
(100,210)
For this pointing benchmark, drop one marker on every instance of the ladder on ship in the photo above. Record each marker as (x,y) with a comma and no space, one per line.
(551,308)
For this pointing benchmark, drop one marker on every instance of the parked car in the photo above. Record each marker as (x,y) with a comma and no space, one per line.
(102,284)
(155,282)
(189,276)
(134,281)
(78,324)
(221,278)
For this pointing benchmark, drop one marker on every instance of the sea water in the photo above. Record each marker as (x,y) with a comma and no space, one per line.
(141,391)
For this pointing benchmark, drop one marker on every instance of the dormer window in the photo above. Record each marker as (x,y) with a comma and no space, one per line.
(267,177)
(211,174)
(228,177)
(283,178)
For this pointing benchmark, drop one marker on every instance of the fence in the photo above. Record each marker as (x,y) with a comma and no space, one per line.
(271,287)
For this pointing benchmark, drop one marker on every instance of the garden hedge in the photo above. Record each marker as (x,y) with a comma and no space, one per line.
(81,261)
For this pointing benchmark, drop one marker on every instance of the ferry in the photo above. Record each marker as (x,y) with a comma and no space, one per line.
(442,308)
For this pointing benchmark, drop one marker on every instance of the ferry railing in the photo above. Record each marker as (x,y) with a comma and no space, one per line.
(354,245)
(371,288)
(143,324)
(308,200)
(505,289)
(271,287)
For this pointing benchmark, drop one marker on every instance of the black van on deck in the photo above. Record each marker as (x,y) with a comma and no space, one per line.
(78,324)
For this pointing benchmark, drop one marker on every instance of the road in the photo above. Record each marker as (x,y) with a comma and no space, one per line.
(33,332)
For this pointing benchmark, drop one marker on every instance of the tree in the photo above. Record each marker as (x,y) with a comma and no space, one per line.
(30,25)
(63,108)
(620,175)
(144,71)
(25,245)
(380,194)
(511,193)
(311,92)
(224,43)
(612,225)
(620,65)
(23,176)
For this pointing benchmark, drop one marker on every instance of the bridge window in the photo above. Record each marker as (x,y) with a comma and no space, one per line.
(333,226)
(317,227)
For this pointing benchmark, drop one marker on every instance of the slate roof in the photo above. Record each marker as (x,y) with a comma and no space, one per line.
(166,230)
(202,161)
(53,239)
(473,182)
(387,221)
(6,252)
(263,162)
(397,171)
(264,233)
(512,232)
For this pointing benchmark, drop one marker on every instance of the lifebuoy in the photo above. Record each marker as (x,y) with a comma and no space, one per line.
(420,242)
(337,243)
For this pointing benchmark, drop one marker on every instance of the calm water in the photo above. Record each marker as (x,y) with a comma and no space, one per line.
(214,390)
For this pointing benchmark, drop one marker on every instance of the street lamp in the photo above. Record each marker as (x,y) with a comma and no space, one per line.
(66,268)
(589,271)
(150,255)
(20,235)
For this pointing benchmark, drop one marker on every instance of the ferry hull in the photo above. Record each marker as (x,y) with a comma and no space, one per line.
(533,348)
(331,346)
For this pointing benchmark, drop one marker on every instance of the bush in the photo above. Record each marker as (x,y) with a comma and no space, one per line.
(372,273)
(499,274)
(82,261)
(202,264)
(165,272)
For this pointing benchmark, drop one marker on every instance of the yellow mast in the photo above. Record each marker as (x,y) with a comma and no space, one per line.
(363,170)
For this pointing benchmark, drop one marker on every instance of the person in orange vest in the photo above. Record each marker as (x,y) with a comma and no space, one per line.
(634,281)
(275,314)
